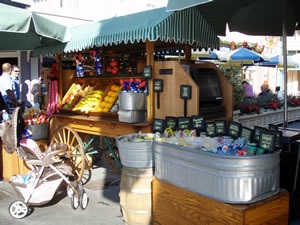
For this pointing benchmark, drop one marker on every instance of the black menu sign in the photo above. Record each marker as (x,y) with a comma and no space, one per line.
(278,141)
(171,122)
(256,133)
(234,129)
(220,127)
(147,72)
(210,129)
(198,123)
(158,125)
(273,127)
(184,123)
(267,140)
(158,85)
(247,133)
(186,91)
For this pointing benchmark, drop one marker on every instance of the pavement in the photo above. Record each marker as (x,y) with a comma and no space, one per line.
(103,208)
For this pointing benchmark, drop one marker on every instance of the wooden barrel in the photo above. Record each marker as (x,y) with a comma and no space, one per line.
(136,195)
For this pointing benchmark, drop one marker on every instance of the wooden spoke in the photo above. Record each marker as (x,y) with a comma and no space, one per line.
(67,135)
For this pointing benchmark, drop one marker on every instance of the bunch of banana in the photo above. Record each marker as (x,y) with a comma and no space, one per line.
(89,101)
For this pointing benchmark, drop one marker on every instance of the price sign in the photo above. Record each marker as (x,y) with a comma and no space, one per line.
(147,72)
(273,127)
(220,127)
(171,122)
(158,87)
(278,141)
(256,133)
(184,123)
(247,133)
(234,129)
(210,129)
(158,125)
(185,91)
(267,140)
(198,123)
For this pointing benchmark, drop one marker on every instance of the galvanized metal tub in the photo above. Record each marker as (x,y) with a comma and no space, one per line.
(136,154)
(231,179)
(39,131)
(132,116)
(132,101)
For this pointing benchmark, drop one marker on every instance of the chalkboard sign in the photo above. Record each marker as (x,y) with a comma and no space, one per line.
(185,91)
(158,125)
(210,129)
(273,127)
(256,133)
(220,127)
(158,85)
(247,133)
(267,140)
(171,122)
(184,123)
(198,123)
(278,141)
(234,129)
(147,72)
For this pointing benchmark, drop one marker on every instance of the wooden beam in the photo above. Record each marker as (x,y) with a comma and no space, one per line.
(150,97)
(188,53)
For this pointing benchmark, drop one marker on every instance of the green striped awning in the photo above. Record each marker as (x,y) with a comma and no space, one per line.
(185,26)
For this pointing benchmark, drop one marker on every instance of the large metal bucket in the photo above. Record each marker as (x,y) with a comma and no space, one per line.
(136,154)
(132,101)
(231,179)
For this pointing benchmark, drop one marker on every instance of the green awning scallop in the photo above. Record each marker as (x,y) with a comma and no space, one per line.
(185,26)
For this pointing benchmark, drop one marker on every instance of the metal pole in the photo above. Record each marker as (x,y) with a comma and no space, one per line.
(284,53)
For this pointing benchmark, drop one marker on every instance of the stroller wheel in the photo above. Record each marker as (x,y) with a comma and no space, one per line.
(84,199)
(75,201)
(18,209)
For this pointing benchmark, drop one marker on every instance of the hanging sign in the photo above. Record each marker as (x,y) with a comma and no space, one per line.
(185,93)
(234,129)
(220,127)
(171,122)
(158,125)
(158,87)
(184,123)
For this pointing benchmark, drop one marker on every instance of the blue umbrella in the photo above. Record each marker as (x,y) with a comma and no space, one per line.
(210,55)
(277,61)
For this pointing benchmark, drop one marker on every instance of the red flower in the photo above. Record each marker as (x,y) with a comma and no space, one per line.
(245,44)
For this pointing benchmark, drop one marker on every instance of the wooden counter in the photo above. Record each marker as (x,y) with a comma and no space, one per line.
(109,127)
(173,205)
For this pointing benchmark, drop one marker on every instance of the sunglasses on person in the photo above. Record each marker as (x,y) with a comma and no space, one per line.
(17,71)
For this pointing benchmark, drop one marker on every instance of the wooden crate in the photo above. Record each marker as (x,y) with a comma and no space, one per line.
(173,205)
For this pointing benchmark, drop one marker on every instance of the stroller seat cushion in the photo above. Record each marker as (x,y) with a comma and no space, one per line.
(30,149)
(64,168)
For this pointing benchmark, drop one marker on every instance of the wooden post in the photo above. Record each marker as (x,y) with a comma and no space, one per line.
(59,68)
(188,53)
(150,97)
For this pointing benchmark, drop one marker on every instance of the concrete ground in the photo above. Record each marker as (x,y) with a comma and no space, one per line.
(103,208)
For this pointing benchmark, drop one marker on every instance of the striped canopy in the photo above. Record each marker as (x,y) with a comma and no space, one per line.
(184,27)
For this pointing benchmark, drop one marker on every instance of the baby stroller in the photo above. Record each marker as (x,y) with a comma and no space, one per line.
(47,170)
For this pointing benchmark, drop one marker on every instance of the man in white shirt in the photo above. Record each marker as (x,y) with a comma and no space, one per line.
(7,88)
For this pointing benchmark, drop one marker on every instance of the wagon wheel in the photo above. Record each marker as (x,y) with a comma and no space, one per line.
(109,156)
(75,155)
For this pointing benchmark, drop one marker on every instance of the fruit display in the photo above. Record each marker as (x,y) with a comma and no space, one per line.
(109,99)
(71,96)
(90,101)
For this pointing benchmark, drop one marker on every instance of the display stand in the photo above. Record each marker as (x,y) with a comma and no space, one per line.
(173,205)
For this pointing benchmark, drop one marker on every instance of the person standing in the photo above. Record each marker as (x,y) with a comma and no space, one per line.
(7,88)
(248,89)
(15,75)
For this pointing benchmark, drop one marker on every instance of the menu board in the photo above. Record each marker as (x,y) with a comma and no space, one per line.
(256,133)
(171,122)
(247,133)
(198,123)
(158,125)
(278,141)
(184,123)
(147,72)
(267,140)
(234,129)
(220,127)
(210,129)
